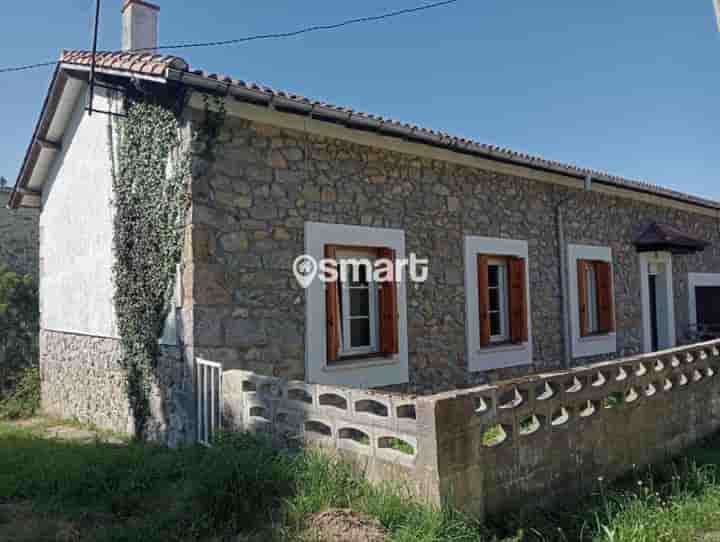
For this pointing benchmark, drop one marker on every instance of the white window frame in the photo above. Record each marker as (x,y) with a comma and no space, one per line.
(484,358)
(345,312)
(596,344)
(646,260)
(695,280)
(504,309)
(363,373)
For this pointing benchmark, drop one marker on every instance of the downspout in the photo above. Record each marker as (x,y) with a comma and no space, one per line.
(564,289)
(564,275)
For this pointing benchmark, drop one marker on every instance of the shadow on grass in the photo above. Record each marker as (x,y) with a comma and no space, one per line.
(64,491)
(143,491)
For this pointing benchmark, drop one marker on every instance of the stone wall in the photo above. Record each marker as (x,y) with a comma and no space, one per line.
(251,203)
(18,236)
(82,379)
(518,444)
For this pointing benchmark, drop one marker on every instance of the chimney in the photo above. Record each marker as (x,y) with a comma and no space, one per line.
(139,25)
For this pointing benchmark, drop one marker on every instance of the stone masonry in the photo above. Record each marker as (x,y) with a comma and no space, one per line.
(250,204)
(83,380)
(18,236)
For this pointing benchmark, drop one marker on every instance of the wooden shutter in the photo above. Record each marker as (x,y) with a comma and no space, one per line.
(603,274)
(483,299)
(582,297)
(518,300)
(387,301)
(332,322)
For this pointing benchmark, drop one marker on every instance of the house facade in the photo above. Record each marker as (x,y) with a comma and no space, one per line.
(532,265)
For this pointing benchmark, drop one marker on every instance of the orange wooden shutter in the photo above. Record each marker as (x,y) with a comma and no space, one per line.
(331,311)
(603,272)
(518,301)
(582,297)
(483,299)
(387,300)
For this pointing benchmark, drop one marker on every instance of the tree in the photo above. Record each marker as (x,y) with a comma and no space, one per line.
(3,182)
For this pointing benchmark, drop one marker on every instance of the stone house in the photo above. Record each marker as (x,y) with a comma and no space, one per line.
(533,264)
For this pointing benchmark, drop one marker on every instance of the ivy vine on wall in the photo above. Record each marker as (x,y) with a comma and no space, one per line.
(151,199)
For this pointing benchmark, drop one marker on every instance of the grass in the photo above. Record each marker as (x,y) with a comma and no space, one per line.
(63,491)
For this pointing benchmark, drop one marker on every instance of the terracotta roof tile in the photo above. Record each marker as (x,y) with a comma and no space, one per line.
(154,64)
(142,63)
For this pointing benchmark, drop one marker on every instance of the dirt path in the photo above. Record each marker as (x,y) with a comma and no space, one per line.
(64,430)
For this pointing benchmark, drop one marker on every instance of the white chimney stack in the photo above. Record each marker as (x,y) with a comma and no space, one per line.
(139,26)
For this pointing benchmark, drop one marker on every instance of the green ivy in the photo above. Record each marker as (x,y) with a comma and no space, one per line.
(151,201)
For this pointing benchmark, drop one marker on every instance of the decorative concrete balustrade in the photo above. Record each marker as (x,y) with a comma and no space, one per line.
(385,434)
(547,436)
(504,446)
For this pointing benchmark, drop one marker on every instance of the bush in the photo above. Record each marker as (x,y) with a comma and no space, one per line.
(19,322)
(24,400)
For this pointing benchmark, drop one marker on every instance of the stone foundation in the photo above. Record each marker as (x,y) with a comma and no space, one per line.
(82,379)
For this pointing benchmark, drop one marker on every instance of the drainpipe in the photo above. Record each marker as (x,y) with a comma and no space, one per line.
(564,277)
(563,284)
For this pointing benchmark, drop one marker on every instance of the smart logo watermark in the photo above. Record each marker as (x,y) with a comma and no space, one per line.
(307,269)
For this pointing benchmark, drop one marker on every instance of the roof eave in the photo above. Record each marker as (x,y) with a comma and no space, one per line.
(57,85)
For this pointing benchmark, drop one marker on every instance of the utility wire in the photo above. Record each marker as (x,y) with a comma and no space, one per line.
(257,37)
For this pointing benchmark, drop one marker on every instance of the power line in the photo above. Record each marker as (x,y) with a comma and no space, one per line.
(28,67)
(257,37)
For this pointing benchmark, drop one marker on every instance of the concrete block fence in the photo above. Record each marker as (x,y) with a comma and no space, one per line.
(499,447)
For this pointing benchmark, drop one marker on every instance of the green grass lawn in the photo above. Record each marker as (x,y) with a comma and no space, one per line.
(52,490)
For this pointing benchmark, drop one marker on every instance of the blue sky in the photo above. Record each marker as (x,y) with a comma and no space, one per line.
(625,87)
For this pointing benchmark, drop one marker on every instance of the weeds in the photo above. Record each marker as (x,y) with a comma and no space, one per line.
(24,400)
(146,492)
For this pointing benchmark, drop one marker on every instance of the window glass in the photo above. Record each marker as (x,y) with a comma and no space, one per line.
(498,295)
(591,301)
(360,332)
(707,302)
(360,302)
(357,305)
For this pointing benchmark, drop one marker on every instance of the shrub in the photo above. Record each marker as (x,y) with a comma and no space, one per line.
(19,322)
(24,400)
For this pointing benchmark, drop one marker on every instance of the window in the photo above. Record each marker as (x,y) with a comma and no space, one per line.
(361,313)
(357,300)
(362,316)
(595,298)
(708,310)
(591,302)
(704,308)
(356,329)
(497,303)
(502,299)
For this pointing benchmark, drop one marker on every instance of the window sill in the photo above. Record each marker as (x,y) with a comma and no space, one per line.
(360,363)
(502,347)
(596,337)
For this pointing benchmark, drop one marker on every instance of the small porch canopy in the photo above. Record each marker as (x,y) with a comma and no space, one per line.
(659,237)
